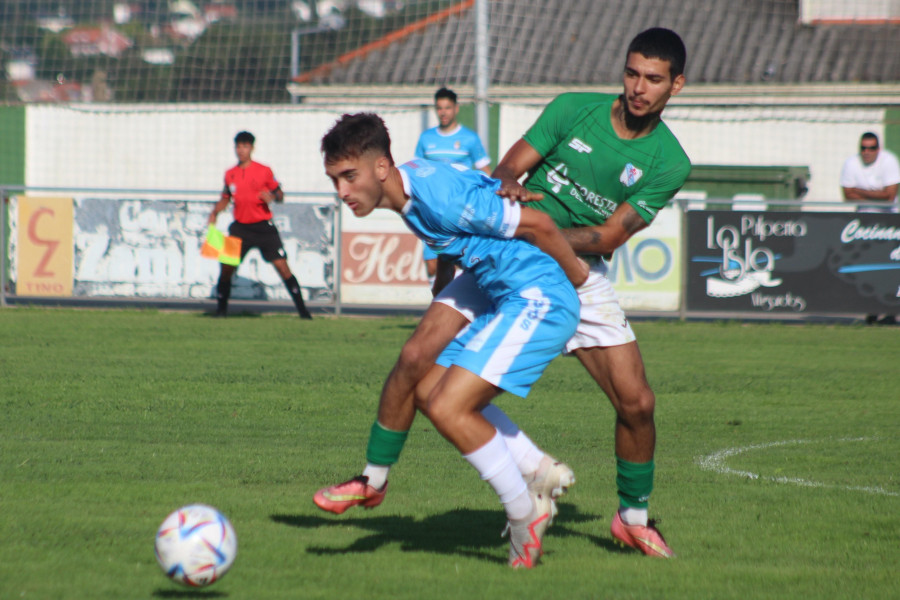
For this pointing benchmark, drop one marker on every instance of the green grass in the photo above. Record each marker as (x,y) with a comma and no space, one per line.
(111,419)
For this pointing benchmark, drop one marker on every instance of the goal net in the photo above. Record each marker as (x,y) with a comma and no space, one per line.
(149,93)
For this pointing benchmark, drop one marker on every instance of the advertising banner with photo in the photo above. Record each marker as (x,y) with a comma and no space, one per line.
(138,248)
(793,262)
(381,262)
(646,271)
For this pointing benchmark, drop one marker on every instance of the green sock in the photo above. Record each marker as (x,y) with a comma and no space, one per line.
(635,482)
(384,445)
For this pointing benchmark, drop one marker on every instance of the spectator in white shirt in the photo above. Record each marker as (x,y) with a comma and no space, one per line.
(872,176)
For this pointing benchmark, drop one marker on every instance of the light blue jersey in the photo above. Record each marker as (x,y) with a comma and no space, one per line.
(462,147)
(456,212)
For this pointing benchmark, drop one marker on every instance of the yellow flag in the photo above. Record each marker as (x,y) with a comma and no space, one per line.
(225,248)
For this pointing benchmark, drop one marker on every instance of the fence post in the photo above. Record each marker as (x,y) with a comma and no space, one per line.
(3,207)
(338,252)
(682,301)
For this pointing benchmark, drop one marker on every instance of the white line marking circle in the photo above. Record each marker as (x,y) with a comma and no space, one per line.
(716,462)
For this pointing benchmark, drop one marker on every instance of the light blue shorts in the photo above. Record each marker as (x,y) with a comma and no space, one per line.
(510,346)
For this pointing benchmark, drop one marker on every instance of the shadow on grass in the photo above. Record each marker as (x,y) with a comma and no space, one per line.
(465,532)
(568,518)
(187,593)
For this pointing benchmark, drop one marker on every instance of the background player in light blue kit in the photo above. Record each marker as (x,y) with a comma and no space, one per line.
(453,143)
(458,214)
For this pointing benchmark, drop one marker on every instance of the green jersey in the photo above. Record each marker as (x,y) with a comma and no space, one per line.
(588,170)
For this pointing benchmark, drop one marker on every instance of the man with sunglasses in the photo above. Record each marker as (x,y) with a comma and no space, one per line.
(872,176)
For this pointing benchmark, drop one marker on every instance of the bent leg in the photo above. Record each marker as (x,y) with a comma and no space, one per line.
(525,452)
(397,404)
(281,265)
(439,325)
(619,371)
(454,407)
(292,285)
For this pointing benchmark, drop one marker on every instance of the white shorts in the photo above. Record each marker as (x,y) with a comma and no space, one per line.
(603,322)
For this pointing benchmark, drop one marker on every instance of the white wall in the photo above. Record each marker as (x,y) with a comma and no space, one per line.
(185,147)
(189,147)
(820,138)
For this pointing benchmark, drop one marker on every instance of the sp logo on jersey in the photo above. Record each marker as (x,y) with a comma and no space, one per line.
(630,175)
(580,146)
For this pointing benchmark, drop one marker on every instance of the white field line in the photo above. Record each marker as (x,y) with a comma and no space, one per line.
(716,462)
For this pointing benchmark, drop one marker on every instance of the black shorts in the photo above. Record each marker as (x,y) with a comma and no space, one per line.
(262,235)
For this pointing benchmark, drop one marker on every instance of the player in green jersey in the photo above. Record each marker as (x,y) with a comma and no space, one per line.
(602,166)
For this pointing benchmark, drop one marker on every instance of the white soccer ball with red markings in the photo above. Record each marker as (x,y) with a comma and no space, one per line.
(196,545)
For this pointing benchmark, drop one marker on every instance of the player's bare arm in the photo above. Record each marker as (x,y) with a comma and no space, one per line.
(885,193)
(517,161)
(538,228)
(221,205)
(605,238)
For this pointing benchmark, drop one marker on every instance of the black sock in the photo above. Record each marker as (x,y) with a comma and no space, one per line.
(223,292)
(293,288)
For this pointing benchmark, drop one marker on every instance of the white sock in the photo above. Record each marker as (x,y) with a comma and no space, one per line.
(525,453)
(377,475)
(633,516)
(495,465)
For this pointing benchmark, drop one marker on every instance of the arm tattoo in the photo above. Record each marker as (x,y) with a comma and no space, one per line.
(633,222)
(582,239)
(591,240)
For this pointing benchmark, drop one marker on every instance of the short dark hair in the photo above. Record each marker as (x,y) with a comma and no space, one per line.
(869,136)
(663,44)
(355,135)
(445,93)
(244,137)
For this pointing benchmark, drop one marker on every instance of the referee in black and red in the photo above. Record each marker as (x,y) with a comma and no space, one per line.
(253,187)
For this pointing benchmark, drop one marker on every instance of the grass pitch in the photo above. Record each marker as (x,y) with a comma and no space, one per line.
(777,471)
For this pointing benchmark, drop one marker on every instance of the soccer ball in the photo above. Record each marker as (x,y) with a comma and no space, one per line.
(196,545)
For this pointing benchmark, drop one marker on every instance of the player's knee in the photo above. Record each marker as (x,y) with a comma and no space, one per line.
(438,411)
(416,358)
(637,408)
(421,395)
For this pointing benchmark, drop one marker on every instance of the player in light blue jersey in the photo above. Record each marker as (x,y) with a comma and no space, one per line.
(459,215)
(452,143)
(617,149)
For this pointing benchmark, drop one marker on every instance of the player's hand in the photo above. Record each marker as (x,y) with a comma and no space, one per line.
(267,197)
(517,192)
(583,276)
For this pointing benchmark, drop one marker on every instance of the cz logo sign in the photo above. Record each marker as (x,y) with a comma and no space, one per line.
(44,247)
